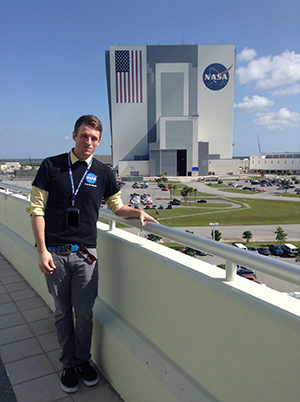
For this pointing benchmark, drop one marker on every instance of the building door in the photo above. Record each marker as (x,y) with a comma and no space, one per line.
(181,162)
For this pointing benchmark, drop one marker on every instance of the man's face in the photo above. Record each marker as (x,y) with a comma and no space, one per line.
(86,141)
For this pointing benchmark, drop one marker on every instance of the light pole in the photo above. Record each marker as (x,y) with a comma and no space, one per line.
(213,224)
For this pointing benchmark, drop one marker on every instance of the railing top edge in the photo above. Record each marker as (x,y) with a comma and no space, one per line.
(15,187)
(281,269)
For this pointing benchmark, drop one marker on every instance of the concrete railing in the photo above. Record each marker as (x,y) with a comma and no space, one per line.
(169,327)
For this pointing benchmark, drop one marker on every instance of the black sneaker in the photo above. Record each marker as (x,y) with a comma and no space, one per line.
(88,374)
(69,380)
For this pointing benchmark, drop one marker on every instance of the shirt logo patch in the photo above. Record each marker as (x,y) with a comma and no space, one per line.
(91,178)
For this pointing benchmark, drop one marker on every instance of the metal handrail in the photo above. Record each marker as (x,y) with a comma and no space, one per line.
(232,255)
(12,187)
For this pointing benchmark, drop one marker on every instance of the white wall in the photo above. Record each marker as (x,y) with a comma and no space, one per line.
(125,167)
(224,166)
(129,120)
(169,328)
(215,108)
(259,162)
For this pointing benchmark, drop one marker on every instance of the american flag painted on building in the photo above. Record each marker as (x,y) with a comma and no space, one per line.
(128,68)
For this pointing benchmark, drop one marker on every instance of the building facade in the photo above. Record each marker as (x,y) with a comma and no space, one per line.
(276,162)
(171,107)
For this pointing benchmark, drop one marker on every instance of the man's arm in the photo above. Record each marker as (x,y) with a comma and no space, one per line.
(46,263)
(129,213)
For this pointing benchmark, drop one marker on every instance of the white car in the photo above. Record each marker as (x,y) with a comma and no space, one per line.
(240,246)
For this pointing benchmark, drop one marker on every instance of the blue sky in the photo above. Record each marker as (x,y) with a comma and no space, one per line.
(52,66)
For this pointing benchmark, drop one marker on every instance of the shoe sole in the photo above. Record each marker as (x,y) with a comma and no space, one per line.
(69,390)
(90,383)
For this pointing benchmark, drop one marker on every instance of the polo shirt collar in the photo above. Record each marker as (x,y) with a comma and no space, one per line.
(74,158)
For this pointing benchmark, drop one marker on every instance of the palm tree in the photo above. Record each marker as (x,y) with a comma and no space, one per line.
(195,194)
(184,192)
(247,235)
(174,189)
(170,187)
(190,190)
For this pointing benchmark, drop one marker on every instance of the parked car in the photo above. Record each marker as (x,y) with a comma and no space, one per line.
(175,202)
(147,207)
(275,250)
(169,206)
(263,251)
(164,189)
(200,253)
(201,201)
(161,206)
(247,273)
(253,249)
(240,246)
(289,250)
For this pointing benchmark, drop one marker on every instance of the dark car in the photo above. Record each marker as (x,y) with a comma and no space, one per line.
(263,251)
(253,249)
(200,253)
(175,202)
(276,250)
(201,201)
(169,206)
(247,273)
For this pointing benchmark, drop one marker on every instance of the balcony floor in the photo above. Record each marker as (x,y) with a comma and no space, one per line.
(29,352)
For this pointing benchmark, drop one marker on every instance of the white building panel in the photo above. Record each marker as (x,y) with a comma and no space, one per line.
(128,102)
(215,97)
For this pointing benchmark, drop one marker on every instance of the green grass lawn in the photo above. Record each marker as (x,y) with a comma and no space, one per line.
(236,190)
(207,205)
(288,195)
(261,212)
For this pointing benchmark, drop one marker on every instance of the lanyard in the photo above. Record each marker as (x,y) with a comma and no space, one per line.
(75,192)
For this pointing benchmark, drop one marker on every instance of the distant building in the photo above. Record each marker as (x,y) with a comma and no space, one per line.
(228,166)
(106,159)
(171,107)
(10,167)
(276,162)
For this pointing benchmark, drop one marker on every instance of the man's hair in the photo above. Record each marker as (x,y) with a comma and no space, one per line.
(89,120)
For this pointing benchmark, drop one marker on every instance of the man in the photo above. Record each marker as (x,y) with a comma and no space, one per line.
(66,196)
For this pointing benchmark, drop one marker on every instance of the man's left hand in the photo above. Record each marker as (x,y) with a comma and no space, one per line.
(144,218)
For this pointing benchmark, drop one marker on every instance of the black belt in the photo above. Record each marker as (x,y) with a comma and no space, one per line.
(66,248)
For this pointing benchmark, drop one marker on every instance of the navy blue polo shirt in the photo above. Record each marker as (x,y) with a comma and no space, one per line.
(53,177)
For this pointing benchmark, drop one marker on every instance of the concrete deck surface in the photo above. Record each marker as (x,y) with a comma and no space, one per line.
(29,351)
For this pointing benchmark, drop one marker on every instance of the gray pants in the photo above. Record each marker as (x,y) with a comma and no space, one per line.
(74,286)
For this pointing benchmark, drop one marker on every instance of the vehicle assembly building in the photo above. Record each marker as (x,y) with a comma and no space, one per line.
(171,107)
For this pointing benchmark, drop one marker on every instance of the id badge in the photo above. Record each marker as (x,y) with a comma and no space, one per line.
(73,217)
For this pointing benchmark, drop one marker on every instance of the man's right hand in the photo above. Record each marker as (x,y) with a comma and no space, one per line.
(46,263)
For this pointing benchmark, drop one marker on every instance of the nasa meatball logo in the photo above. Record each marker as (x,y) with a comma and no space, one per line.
(216,76)
(91,178)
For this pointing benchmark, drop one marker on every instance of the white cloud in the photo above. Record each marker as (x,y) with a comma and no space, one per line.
(272,71)
(256,102)
(282,119)
(246,54)
(66,137)
(294,90)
